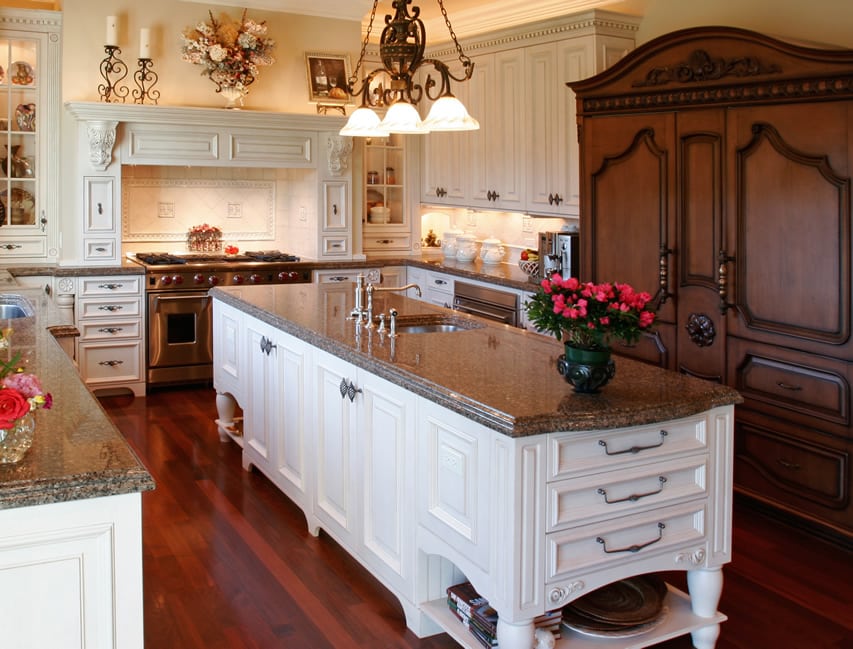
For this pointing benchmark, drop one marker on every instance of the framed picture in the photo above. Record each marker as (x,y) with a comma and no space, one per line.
(327,78)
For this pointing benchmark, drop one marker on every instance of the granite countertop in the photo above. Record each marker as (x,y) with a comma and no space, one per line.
(500,376)
(78,452)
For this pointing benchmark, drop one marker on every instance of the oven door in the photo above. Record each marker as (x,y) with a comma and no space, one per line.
(180,336)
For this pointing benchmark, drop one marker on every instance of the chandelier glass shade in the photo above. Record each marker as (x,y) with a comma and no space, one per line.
(395,86)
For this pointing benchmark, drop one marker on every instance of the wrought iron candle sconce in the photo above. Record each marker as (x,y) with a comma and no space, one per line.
(145,79)
(113,70)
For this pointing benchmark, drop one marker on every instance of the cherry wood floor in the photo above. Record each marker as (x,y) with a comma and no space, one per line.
(229,564)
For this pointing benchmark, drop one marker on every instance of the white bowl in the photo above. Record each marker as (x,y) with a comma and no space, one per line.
(380,214)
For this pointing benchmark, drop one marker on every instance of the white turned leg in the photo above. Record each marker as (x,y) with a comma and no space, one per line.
(515,636)
(705,588)
(225,408)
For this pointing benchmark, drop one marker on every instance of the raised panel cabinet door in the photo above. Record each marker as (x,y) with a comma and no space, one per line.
(482,107)
(261,396)
(628,216)
(99,204)
(787,258)
(291,422)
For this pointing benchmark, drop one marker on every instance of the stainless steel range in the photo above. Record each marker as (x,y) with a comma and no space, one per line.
(180,340)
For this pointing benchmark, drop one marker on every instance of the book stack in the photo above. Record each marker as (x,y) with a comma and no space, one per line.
(482,620)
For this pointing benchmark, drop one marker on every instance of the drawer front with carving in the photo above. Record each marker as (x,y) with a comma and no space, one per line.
(813,390)
(578,453)
(601,496)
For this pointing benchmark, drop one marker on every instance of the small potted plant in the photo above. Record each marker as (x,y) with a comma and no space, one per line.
(588,318)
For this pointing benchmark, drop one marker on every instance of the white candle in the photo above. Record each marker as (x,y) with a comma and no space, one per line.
(112,30)
(144,43)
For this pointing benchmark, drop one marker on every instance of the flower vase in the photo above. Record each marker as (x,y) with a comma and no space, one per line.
(233,96)
(588,370)
(16,441)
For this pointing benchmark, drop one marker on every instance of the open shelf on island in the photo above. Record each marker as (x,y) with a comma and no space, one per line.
(679,621)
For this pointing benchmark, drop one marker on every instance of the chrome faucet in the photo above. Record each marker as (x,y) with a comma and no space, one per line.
(371,288)
(358,309)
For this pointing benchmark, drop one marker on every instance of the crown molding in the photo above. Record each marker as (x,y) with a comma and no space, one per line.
(346,10)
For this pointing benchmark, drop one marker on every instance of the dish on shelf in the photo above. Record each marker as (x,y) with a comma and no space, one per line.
(616,632)
(22,73)
(21,207)
(2,75)
(25,117)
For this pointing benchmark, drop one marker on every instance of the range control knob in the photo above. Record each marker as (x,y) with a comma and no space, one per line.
(254,278)
(177,280)
(213,280)
(165,280)
(198,278)
(238,279)
(288,276)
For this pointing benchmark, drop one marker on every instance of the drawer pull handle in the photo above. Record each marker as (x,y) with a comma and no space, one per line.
(633,449)
(339,278)
(110,307)
(633,497)
(633,548)
(794,466)
(111,363)
(267,345)
(11,246)
(110,330)
(110,287)
(348,389)
(788,386)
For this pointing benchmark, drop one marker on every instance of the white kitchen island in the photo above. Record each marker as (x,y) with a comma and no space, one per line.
(440,457)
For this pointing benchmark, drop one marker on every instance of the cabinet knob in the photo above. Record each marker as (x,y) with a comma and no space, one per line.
(348,389)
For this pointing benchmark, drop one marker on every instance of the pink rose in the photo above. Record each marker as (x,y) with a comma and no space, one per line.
(13,405)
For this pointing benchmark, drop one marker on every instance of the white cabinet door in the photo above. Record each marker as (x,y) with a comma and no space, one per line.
(444,161)
(260,401)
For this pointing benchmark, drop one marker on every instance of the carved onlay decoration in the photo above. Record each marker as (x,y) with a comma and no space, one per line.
(695,557)
(701,67)
(560,594)
(700,328)
(340,149)
(102,138)
(65,285)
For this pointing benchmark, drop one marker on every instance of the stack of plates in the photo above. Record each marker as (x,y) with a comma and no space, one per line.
(619,610)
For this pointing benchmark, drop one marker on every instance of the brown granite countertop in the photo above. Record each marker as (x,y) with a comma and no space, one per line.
(78,452)
(500,376)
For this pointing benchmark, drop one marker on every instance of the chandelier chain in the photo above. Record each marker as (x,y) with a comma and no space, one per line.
(462,57)
(354,76)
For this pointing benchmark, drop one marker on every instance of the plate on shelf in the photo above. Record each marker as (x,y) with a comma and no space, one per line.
(603,631)
(25,117)
(22,206)
(21,73)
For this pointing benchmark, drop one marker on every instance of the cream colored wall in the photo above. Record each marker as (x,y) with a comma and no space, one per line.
(281,87)
(826,22)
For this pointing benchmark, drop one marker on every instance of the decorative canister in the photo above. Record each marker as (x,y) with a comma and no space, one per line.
(466,247)
(492,251)
(372,177)
(448,243)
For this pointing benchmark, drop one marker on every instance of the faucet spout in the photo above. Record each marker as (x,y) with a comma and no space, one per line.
(399,288)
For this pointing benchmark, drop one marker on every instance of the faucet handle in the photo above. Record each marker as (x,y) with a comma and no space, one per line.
(393,331)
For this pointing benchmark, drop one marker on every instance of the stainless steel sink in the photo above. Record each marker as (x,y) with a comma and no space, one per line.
(14,306)
(434,323)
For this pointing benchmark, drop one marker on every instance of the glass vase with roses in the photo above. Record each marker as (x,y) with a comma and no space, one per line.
(21,394)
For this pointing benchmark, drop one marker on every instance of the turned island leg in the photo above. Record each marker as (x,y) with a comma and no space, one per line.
(705,588)
(225,408)
(515,636)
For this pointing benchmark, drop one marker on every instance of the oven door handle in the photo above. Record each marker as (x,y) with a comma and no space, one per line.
(466,307)
(178,298)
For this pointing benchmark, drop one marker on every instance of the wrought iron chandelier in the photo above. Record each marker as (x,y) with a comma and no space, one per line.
(395,87)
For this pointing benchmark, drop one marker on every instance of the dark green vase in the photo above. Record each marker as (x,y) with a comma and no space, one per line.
(588,370)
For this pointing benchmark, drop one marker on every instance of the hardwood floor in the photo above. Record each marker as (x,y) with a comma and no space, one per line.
(229,563)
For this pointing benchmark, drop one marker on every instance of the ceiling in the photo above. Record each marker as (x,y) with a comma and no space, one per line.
(468,17)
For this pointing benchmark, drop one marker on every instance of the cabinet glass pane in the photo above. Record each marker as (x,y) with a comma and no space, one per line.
(18,131)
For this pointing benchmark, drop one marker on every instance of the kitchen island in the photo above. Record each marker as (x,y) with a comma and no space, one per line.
(70,510)
(439,457)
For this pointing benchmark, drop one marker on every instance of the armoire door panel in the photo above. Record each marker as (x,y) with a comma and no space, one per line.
(630,222)
(790,248)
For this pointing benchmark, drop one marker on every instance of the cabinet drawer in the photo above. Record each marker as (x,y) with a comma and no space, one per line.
(794,471)
(337,245)
(387,241)
(812,390)
(118,306)
(13,248)
(115,285)
(111,362)
(99,249)
(626,539)
(577,453)
(604,495)
(113,330)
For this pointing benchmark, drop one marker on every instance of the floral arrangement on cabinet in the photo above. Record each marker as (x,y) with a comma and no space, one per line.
(590,316)
(229,51)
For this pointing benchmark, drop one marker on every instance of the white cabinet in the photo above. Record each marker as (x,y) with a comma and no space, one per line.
(444,161)
(275,416)
(110,350)
(30,52)
(385,185)
(71,573)
(496,152)
(101,232)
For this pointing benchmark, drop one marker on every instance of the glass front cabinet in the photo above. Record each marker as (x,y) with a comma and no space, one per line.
(29,141)
(386,211)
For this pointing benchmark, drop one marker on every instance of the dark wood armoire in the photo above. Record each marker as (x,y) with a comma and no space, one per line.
(716,172)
